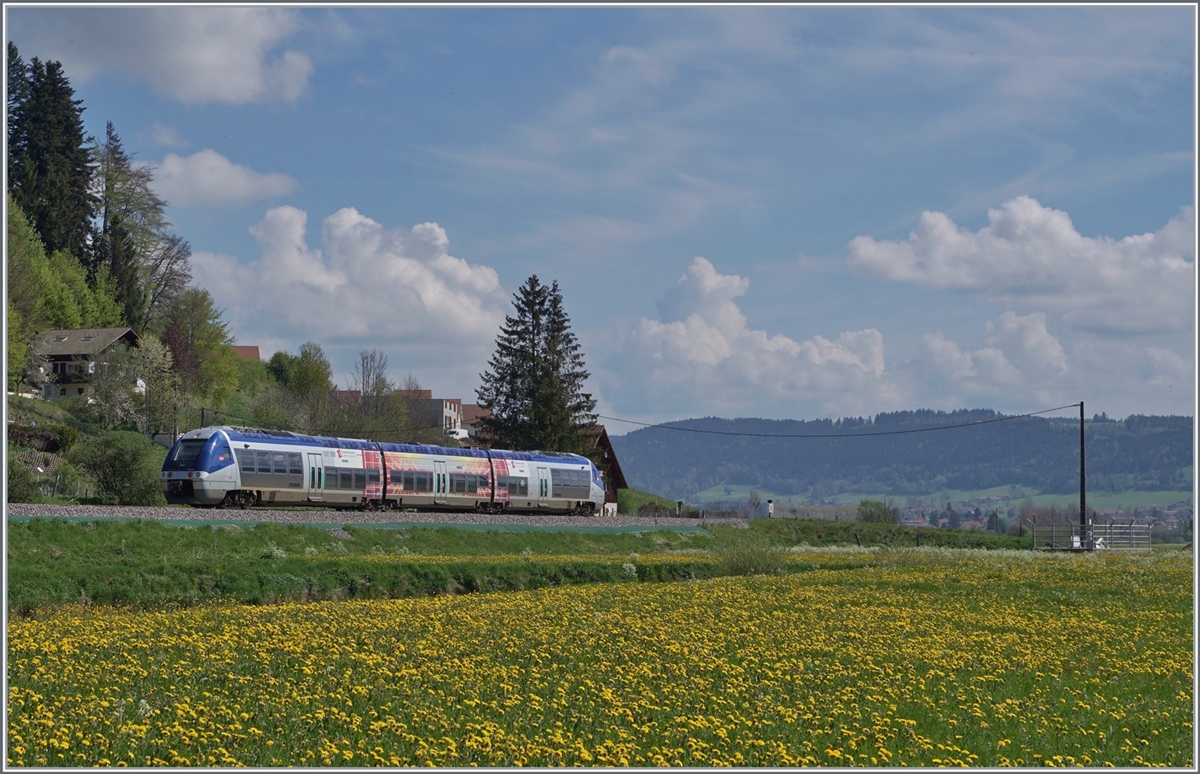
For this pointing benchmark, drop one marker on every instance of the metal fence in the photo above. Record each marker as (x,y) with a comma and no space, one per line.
(1111,536)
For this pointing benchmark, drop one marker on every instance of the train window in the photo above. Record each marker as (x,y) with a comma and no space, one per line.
(424,482)
(279,462)
(345,478)
(408,481)
(472,484)
(246,460)
(372,476)
(187,453)
(295,464)
(331,478)
(360,479)
(264,461)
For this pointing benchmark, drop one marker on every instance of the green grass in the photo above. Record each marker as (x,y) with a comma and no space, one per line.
(629,500)
(27,411)
(149,564)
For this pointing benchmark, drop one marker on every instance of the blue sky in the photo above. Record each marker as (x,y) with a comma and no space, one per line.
(784,212)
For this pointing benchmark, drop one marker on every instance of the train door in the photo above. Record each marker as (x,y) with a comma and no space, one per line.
(543,475)
(316,478)
(440,482)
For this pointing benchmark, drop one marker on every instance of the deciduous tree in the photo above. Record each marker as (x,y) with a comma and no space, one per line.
(201,347)
(876,512)
(148,263)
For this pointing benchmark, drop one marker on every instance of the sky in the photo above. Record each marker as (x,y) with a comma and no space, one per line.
(780,212)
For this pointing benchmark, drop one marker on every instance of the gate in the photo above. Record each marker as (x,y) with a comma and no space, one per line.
(1065,536)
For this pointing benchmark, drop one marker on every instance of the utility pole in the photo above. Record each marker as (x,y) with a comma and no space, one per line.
(1085,537)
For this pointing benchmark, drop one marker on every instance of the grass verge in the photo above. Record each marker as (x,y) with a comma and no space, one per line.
(148,564)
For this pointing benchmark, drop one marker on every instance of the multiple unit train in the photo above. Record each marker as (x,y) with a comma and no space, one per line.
(241,467)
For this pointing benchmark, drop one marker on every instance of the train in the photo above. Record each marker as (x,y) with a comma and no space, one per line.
(241,467)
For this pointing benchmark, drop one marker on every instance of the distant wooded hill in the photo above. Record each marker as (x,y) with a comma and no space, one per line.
(1139,452)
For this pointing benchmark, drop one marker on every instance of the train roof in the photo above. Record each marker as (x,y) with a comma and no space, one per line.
(300,439)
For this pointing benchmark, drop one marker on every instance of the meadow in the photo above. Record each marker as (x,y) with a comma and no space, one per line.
(874,656)
(149,564)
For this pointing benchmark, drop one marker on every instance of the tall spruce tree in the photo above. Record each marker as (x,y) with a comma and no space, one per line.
(50,161)
(534,385)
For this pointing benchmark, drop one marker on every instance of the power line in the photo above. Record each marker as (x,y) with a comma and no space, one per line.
(840,435)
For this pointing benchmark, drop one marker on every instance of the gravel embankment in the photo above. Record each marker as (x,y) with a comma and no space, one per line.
(330,516)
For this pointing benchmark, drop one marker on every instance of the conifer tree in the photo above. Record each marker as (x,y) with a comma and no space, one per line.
(50,161)
(534,385)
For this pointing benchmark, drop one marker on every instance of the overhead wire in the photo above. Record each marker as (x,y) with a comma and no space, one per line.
(662,426)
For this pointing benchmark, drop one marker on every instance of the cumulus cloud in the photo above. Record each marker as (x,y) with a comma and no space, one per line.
(166,136)
(207,178)
(194,54)
(702,356)
(369,287)
(1032,256)
(1020,361)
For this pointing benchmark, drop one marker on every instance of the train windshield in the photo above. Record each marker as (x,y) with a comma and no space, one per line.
(187,454)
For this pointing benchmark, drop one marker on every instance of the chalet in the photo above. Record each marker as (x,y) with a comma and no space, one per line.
(606,460)
(71,355)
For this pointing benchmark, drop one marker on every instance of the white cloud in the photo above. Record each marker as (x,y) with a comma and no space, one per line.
(1021,365)
(207,178)
(1031,256)
(370,287)
(166,136)
(194,54)
(702,356)
(1021,359)
(1028,344)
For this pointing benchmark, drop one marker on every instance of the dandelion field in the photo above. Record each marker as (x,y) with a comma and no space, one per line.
(902,657)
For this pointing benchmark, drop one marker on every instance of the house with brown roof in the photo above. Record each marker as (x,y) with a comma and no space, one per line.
(70,357)
(606,460)
(250,352)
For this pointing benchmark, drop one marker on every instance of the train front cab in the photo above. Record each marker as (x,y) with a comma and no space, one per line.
(199,469)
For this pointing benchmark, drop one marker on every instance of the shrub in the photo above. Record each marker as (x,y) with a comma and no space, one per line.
(875,512)
(22,488)
(125,466)
(751,553)
(66,437)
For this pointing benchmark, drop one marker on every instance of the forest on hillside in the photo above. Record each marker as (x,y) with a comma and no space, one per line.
(1138,452)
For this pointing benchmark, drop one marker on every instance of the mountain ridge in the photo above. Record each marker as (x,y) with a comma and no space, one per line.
(913,452)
